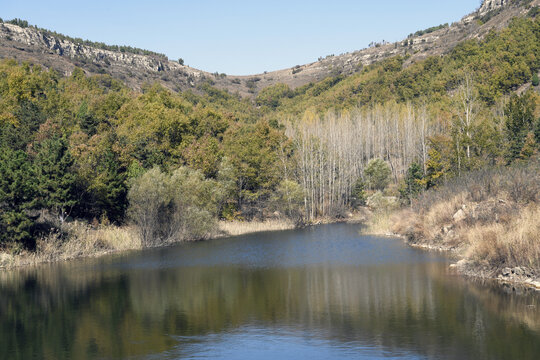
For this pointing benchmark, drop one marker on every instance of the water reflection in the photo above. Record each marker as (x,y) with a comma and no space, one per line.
(318,294)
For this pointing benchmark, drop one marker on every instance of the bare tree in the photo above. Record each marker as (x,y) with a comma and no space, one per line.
(332,150)
(467,109)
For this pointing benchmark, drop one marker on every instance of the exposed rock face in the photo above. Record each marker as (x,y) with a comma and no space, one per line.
(61,47)
(490,5)
(121,64)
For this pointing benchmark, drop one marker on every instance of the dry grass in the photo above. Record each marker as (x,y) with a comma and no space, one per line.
(441,214)
(233,228)
(500,225)
(76,240)
(380,223)
(495,234)
(515,243)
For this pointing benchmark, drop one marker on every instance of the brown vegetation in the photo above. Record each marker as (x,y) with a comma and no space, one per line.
(234,228)
(80,240)
(489,218)
(75,240)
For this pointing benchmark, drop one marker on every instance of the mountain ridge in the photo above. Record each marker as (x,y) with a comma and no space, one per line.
(52,51)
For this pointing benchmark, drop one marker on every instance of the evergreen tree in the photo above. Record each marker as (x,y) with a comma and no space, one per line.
(412,184)
(537,131)
(358,195)
(55,177)
(28,119)
(535,80)
(289,199)
(109,189)
(87,122)
(377,174)
(17,190)
(519,121)
(529,147)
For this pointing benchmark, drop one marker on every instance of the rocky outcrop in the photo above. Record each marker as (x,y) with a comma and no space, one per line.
(34,37)
(460,215)
(491,5)
(119,64)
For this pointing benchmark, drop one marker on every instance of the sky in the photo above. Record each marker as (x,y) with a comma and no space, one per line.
(239,37)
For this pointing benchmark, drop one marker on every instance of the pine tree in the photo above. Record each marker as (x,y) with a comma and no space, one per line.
(529,147)
(56,179)
(17,190)
(109,189)
(87,122)
(359,195)
(412,184)
(537,132)
(377,174)
(519,121)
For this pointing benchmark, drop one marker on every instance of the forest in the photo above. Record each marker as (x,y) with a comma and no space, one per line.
(89,149)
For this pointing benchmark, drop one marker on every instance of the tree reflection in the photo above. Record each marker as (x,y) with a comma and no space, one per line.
(60,312)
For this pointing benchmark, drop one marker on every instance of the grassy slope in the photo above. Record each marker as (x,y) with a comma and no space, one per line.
(489,218)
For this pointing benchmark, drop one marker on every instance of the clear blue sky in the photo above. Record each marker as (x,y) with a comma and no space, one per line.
(239,37)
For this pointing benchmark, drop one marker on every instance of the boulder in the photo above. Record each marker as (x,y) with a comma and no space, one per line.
(460,215)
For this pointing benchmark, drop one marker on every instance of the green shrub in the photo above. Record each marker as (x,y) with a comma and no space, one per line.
(168,208)
(535,80)
(359,195)
(412,183)
(289,199)
(377,174)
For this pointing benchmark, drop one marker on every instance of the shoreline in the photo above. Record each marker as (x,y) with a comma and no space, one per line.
(390,223)
(520,276)
(516,276)
(87,242)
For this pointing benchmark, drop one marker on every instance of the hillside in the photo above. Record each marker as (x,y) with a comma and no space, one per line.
(63,54)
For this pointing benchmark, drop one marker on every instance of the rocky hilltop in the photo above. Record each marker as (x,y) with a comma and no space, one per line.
(52,51)
(63,55)
(491,5)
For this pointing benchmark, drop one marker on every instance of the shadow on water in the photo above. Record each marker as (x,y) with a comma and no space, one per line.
(324,292)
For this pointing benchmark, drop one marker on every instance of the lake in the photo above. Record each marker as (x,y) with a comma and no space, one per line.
(324,292)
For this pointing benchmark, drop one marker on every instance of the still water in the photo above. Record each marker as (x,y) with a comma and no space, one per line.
(320,293)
